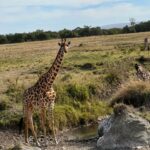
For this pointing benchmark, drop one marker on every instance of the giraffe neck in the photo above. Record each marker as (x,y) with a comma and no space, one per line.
(53,71)
(46,81)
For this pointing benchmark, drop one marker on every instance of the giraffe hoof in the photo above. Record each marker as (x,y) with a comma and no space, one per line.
(38,144)
(27,144)
(56,142)
(46,143)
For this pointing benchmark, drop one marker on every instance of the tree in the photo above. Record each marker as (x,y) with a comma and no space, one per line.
(132,23)
(95,31)
(126,29)
(66,33)
(3,39)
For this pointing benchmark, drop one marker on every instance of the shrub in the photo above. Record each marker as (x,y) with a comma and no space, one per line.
(143,59)
(15,92)
(136,93)
(88,66)
(112,78)
(89,112)
(81,45)
(9,118)
(62,94)
(4,105)
(60,118)
(66,77)
(92,89)
(65,116)
(78,92)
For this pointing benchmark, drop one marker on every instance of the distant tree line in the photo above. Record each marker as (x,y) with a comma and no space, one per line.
(141,27)
(40,35)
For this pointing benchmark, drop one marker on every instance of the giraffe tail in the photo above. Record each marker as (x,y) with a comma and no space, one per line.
(21,122)
(20,125)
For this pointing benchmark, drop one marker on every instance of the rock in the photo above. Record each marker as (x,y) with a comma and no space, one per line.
(1,147)
(24,147)
(124,131)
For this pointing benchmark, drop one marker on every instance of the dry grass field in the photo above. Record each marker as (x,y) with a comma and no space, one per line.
(93,70)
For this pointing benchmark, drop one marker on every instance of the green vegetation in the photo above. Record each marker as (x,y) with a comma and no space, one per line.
(40,35)
(93,70)
(79,113)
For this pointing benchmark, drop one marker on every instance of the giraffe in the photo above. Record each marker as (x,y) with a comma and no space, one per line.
(42,96)
(142,73)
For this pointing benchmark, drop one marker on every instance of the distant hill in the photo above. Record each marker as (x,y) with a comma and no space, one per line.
(119,25)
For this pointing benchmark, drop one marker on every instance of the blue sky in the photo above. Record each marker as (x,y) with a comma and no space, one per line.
(29,15)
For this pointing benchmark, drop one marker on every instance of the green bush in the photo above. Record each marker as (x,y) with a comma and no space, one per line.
(78,92)
(88,66)
(65,116)
(62,94)
(9,118)
(66,77)
(92,89)
(79,113)
(15,92)
(4,105)
(112,78)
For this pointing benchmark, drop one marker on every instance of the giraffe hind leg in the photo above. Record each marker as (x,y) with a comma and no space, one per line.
(25,111)
(26,128)
(43,122)
(31,126)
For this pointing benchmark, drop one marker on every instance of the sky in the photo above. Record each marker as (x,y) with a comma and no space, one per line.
(18,16)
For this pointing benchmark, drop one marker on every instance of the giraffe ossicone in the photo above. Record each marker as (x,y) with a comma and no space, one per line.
(42,96)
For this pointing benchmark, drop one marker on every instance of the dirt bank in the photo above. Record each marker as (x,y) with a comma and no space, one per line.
(9,138)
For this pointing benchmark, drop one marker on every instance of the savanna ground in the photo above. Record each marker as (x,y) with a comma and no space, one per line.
(93,70)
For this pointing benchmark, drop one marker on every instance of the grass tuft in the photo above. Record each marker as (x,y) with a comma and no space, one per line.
(136,93)
(78,92)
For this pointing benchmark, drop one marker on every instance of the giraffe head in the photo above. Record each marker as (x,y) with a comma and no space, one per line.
(64,45)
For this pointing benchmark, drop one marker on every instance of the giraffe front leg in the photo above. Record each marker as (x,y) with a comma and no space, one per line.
(51,121)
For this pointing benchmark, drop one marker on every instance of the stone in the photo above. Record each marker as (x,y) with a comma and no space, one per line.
(24,147)
(1,147)
(125,131)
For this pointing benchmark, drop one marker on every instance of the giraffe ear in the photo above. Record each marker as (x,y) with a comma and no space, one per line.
(59,43)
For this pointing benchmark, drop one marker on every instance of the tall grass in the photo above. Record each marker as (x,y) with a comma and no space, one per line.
(136,93)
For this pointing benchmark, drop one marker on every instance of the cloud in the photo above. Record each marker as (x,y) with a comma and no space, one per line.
(111,14)
(29,15)
(53,2)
